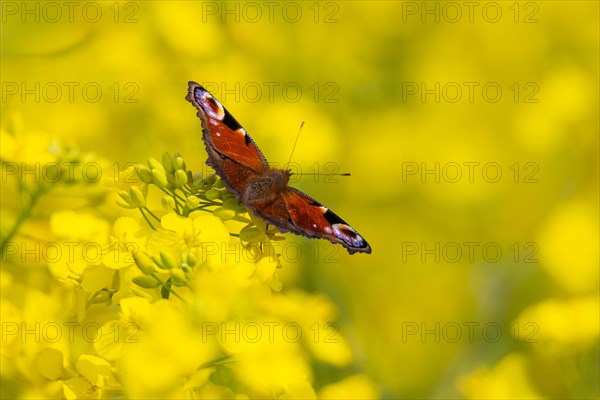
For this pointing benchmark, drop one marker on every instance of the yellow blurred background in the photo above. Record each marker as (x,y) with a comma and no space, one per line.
(470,129)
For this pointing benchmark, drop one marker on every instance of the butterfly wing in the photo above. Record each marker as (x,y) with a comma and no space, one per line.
(231,151)
(308,217)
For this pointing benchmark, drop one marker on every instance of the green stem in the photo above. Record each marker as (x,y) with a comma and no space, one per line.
(25,213)
(146,218)
(203,208)
(178,296)
(152,214)
(216,362)
(177,205)
(172,193)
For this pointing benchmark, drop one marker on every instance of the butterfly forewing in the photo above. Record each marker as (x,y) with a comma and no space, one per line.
(312,219)
(223,133)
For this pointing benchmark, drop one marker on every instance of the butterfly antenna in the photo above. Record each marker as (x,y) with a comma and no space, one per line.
(300,173)
(294,148)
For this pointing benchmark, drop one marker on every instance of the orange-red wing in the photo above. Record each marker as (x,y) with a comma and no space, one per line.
(310,218)
(223,134)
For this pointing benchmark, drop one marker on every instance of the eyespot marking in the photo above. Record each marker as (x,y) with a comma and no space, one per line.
(348,235)
(212,107)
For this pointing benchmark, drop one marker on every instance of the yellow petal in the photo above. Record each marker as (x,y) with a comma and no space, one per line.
(175,222)
(94,369)
(49,363)
(78,226)
(353,387)
(96,277)
(569,247)
(561,322)
(508,379)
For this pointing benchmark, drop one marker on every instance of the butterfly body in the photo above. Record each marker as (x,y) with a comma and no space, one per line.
(245,172)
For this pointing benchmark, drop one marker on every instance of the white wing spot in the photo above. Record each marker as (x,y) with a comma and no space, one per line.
(218,134)
(327,230)
(314,226)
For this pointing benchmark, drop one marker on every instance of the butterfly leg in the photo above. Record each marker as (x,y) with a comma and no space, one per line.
(266,230)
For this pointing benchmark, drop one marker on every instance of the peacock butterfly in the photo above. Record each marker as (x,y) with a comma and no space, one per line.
(245,171)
